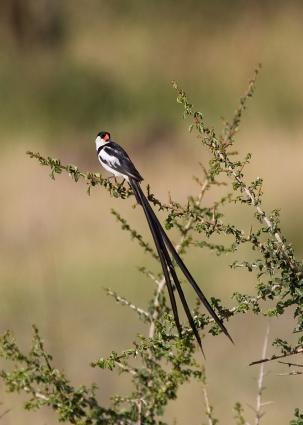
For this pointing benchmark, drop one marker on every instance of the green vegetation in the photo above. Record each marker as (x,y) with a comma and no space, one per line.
(158,365)
(69,69)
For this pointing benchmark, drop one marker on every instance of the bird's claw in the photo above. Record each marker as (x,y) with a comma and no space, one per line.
(112,177)
(116,181)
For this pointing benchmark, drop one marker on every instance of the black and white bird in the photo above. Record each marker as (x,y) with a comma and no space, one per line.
(115,160)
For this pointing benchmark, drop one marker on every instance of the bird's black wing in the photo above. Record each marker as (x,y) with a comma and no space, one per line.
(123,163)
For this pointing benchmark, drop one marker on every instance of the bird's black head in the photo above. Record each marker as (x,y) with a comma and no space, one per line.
(104,135)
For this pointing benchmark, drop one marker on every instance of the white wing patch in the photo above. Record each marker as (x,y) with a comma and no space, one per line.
(111,160)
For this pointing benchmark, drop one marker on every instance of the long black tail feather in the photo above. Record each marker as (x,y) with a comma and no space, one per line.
(183,299)
(159,246)
(178,286)
(163,243)
(189,277)
(167,263)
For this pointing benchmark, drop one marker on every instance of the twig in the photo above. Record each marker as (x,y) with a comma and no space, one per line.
(124,301)
(4,413)
(126,368)
(292,372)
(149,274)
(232,127)
(252,300)
(259,403)
(134,234)
(92,179)
(298,350)
(207,405)
(139,406)
(291,364)
(262,214)
(37,394)
(156,303)
(209,409)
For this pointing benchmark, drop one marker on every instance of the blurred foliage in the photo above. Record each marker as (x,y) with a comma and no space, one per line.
(52,60)
(33,24)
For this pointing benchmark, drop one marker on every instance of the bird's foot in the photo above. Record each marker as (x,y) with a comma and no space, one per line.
(121,184)
(112,177)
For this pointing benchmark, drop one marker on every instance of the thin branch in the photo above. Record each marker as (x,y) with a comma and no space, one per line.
(259,404)
(209,409)
(126,368)
(207,406)
(232,127)
(239,417)
(292,372)
(36,394)
(149,274)
(139,406)
(4,413)
(156,305)
(298,350)
(252,300)
(134,234)
(291,364)
(265,218)
(92,179)
(124,301)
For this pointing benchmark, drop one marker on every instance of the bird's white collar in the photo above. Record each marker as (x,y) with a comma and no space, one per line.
(100,142)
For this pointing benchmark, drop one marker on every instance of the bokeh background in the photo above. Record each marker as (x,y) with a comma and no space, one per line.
(67,70)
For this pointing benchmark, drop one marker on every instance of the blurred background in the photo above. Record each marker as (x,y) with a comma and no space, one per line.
(69,69)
